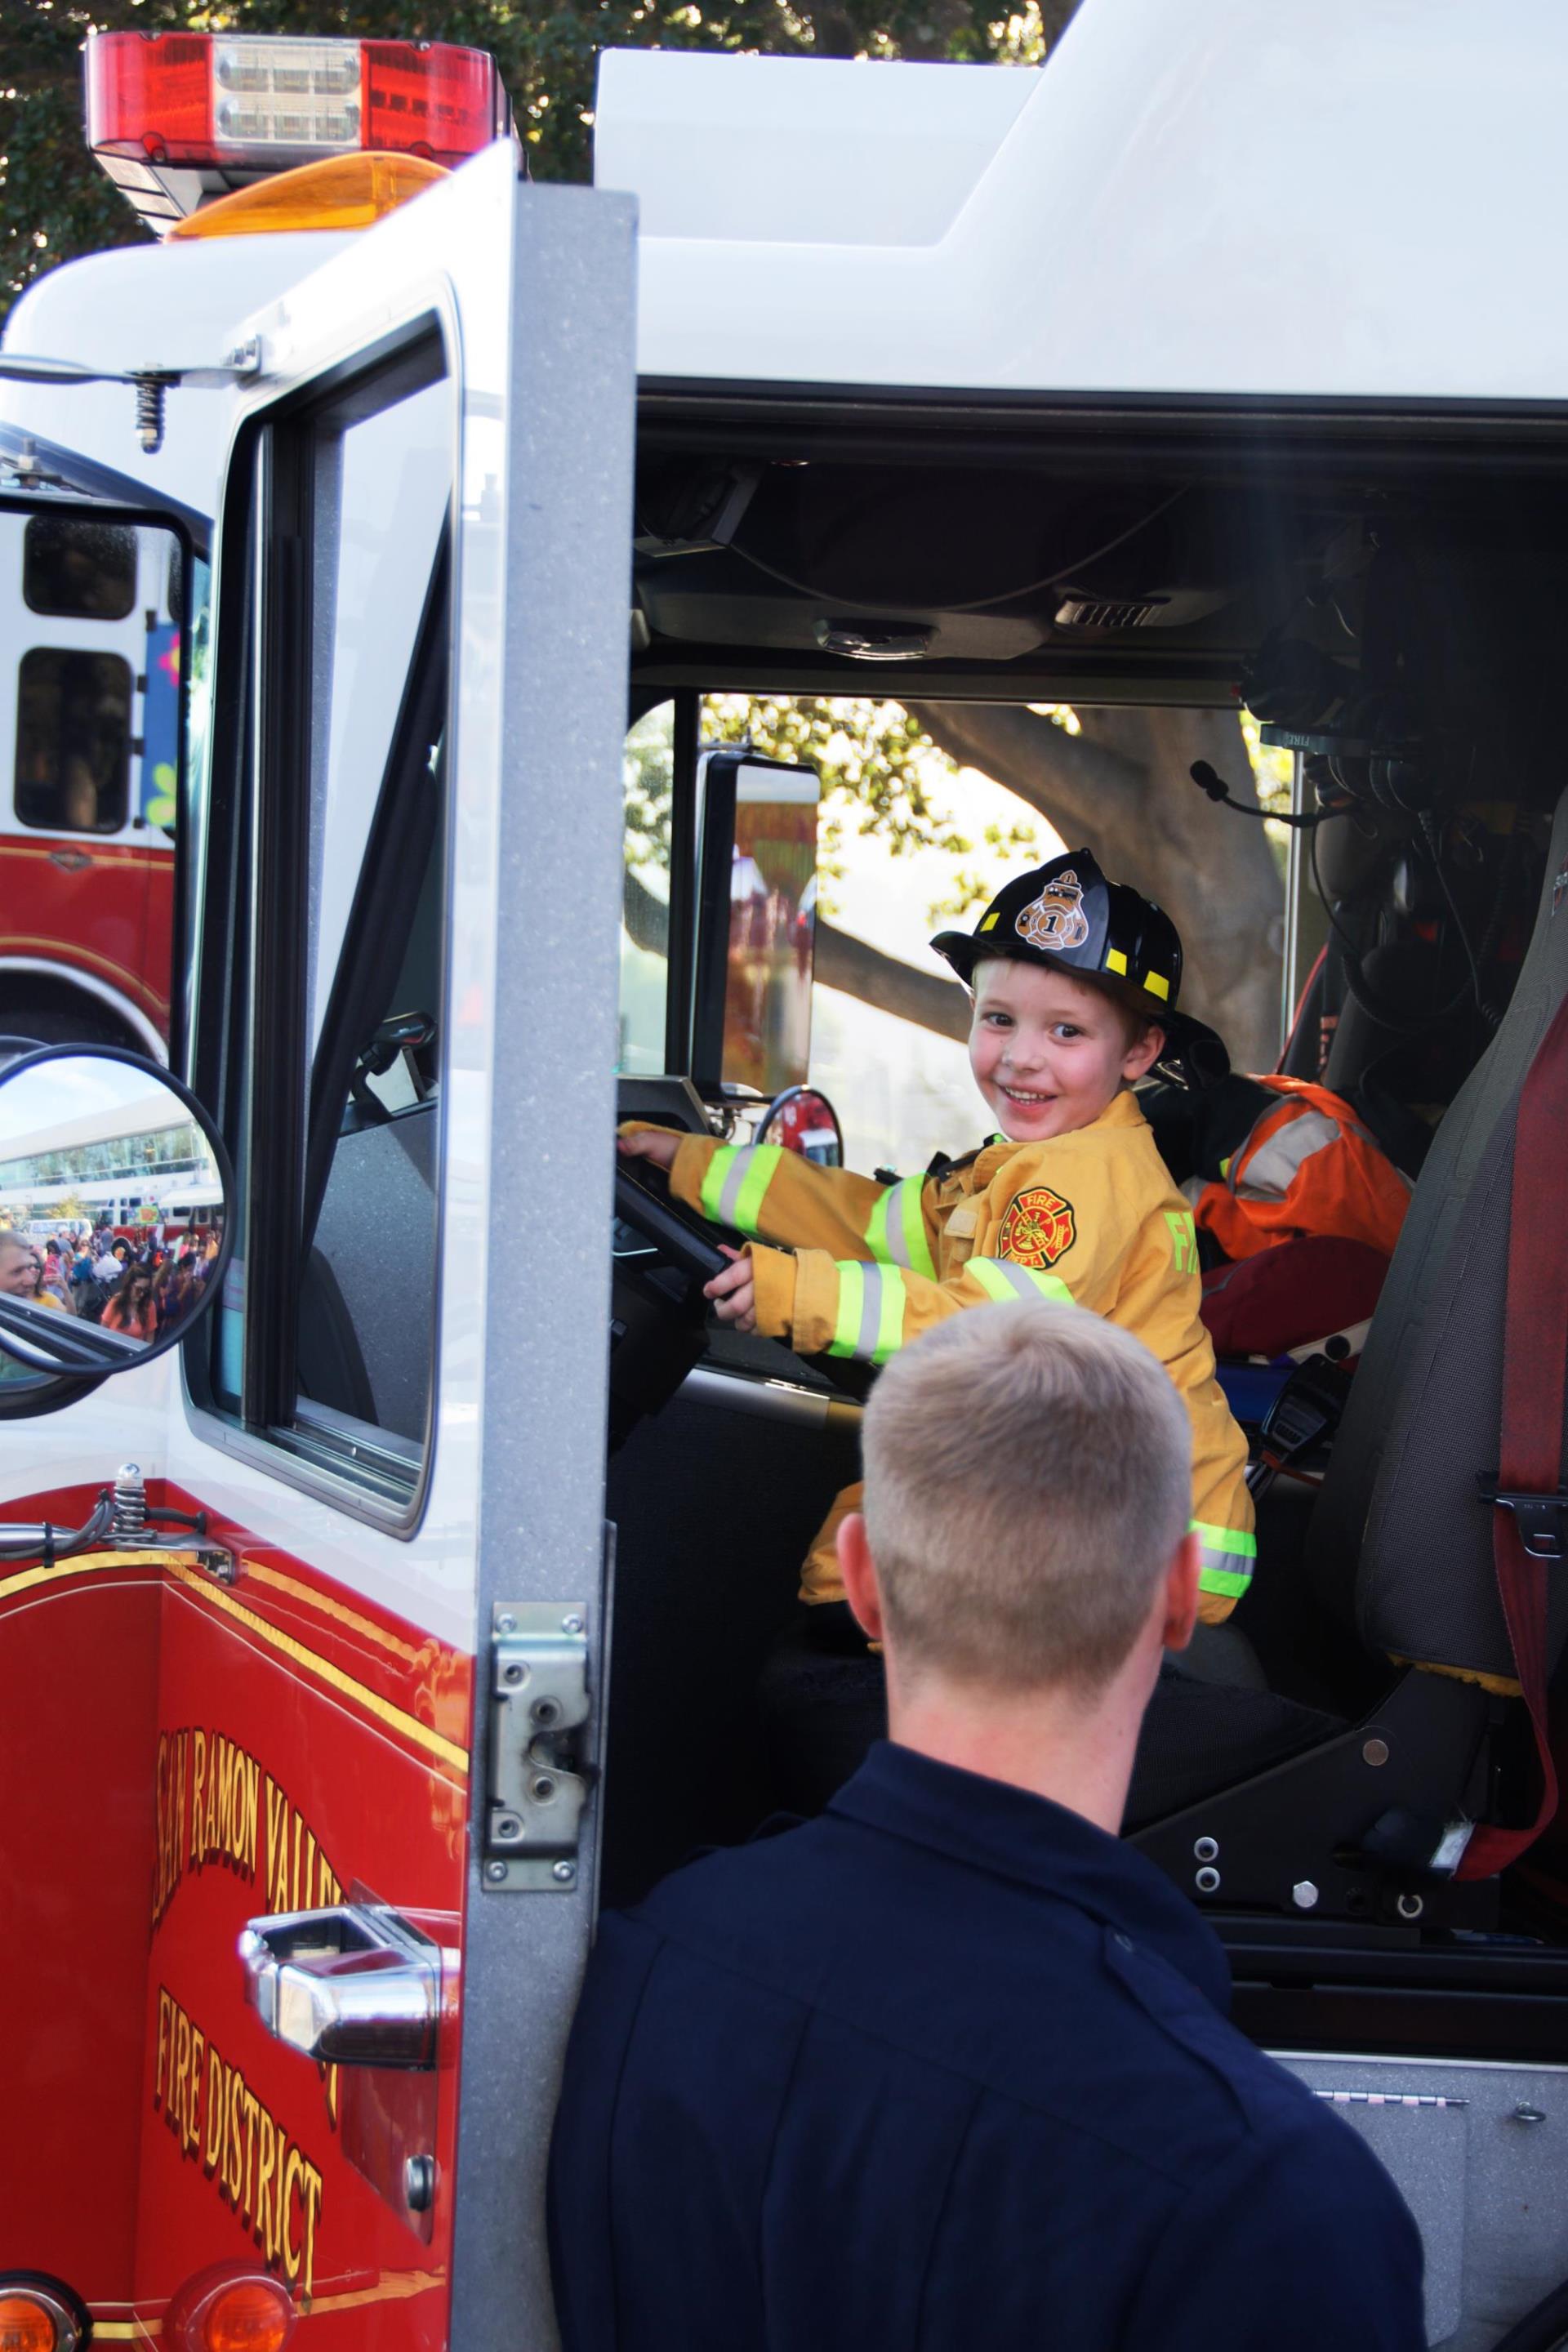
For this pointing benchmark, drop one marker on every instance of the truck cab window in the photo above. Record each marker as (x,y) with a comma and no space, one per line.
(647,774)
(334,1083)
(73,739)
(78,571)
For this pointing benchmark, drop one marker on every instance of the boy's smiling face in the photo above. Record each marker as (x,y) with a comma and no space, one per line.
(1048,1052)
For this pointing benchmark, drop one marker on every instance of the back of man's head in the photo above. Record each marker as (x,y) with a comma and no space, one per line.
(1028,1478)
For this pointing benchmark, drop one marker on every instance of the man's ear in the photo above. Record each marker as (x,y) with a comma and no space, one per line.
(1182,1594)
(859,1574)
(1144,1053)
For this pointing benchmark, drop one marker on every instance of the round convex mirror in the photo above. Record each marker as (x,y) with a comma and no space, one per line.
(802,1120)
(116,1212)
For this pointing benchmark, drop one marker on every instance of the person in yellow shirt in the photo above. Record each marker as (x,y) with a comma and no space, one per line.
(1074,982)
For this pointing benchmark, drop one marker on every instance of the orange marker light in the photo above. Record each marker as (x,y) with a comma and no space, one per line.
(252,2315)
(344,191)
(29,2324)
(230,2309)
(26,2325)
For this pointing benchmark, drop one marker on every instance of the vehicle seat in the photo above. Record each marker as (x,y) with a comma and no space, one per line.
(1400,1546)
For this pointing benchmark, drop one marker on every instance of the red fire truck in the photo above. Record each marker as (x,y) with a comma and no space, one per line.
(90,701)
(363,1627)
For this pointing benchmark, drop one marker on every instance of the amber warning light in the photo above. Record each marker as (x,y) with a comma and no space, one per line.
(177,118)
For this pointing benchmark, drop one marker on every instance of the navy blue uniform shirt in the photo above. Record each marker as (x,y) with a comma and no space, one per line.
(947,2070)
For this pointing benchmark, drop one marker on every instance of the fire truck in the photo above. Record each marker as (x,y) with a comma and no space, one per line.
(377,1620)
(89,712)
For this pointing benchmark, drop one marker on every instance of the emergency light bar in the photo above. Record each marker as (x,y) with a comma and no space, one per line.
(176,117)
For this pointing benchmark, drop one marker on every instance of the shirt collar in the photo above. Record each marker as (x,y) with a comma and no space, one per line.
(995,1826)
(1124,1110)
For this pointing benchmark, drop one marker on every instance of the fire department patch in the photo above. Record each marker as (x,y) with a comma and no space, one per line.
(1056,922)
(1037,1228)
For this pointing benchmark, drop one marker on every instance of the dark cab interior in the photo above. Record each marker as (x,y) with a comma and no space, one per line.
(1385,594)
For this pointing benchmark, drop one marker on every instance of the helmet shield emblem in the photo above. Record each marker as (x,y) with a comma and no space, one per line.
(1056,922)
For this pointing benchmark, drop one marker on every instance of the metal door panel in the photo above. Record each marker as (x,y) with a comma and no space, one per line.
(335,1677)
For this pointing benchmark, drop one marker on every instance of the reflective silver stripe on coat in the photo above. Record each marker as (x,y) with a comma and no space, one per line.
(1275,1165)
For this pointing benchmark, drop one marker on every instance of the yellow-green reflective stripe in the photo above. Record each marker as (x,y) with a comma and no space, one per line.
(917,1248)
(870,1320)
(891,1314)
(1002,1280)
(734,1183)
(714,1178)
(763,1160)
(896,1232)
(1224,1559)
(851,1298)
(876,1240)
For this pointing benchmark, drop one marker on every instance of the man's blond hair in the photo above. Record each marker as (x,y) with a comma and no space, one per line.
(1029,1477)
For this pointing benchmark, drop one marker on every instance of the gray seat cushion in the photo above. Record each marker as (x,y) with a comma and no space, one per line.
(1399,1540)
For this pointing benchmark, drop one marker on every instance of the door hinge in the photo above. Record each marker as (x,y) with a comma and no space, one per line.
(538,1778)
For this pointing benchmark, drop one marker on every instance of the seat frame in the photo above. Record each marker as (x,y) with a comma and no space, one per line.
(1367,1827)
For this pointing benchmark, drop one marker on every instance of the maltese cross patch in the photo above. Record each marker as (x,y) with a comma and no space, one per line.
(1037,1228)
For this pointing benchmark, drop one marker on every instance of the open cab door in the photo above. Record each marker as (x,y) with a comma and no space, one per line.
(287,2019)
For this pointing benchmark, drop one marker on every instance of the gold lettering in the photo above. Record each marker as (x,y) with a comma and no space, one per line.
(178,1824)
(165,2007)
(209,1816)
(310,1866)
(198,1783)
(265,2201)
(245,2151)
(193,2113)
(217,2109)
(295,1903)
(223,1842)
(277,1838)
(293,2174)
(234,2152)
(252,2110)
(312,2201)
(175,2107)
(252,1785)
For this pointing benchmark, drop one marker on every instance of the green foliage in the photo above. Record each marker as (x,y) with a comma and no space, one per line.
(882,778)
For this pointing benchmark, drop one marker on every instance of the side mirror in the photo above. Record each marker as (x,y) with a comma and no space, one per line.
(756,936)
(116,1213)
(805,1122)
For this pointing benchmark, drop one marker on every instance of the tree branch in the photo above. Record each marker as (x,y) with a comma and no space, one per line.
(843,962)
(891,985)
(1075,784)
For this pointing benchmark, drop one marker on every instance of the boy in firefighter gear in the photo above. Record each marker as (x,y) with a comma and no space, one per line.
(1074,982)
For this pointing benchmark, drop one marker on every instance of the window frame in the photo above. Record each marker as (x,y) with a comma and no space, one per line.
(250,1052)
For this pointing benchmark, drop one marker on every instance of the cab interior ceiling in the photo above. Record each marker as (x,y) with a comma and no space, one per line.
(1097,565)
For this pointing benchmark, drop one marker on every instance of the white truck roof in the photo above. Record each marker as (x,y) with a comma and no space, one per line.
(1214,197)
(145,305)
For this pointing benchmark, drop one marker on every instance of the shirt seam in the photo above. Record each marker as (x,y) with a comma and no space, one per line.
(800,2040)
(610,2136)
(940,2217)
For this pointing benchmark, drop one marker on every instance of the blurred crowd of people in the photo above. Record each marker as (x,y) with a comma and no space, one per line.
(137,1289)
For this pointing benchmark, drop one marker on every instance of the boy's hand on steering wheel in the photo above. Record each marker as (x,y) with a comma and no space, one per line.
(659,1144)
(733,1292)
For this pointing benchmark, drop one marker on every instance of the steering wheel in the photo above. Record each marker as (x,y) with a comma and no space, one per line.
(650,1210)
(658,1316)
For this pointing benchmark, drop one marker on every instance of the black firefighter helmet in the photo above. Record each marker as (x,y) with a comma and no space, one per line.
(1066,913)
